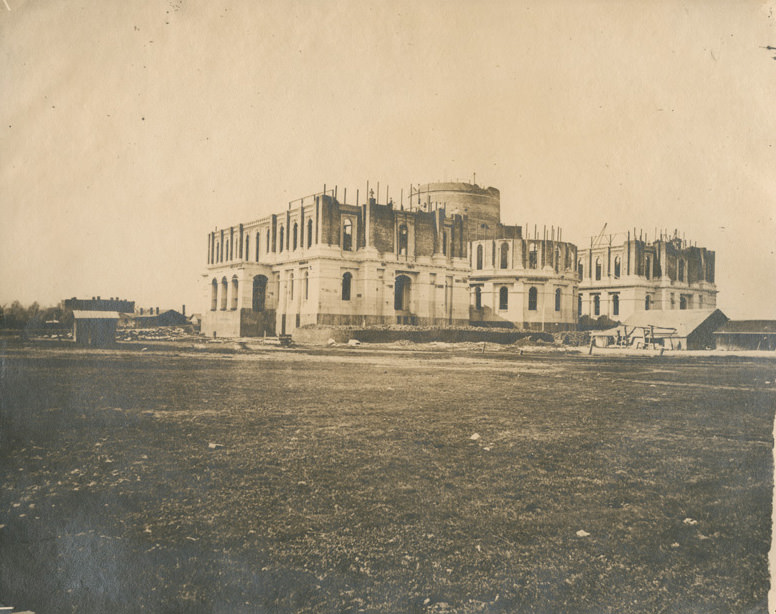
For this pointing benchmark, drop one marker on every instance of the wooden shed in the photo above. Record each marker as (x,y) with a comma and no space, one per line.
(94,328)
(747,335)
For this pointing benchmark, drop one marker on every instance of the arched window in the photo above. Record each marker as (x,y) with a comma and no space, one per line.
(598,269)
(533,295)
(597,304)
(296,235)
(533,257)
(235,288)
(647,302)
(580,269)
(282,236)
(681,270)
(291,285)
(257,246)
(617,266)
(503,298)
(310,232)
(347,235)
(306,284)
(615,304)
(682,301)
(504,255)
(477,298)
(403,240)
(259,292)
(479,256)
(247,246)
(214,295)
(347,278)
(224,291)
(557,299)
(401,293)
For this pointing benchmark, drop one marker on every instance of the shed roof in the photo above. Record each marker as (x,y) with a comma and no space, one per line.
(748,327)
(684,321)
(80,314)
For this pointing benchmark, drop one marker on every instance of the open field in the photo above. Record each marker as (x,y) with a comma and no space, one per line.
(357,480)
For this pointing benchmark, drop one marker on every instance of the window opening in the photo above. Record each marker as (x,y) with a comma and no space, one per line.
(347,235)
(259,292)
(346,281)
(503,298)
(403,240)
(235,295)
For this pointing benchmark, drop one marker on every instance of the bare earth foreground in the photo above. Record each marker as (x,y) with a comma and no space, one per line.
(352,480)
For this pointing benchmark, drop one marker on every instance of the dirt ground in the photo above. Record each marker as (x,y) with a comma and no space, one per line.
(171,479)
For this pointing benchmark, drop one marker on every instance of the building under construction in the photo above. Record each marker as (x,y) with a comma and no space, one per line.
(328,261)
(437,256)
(622,274)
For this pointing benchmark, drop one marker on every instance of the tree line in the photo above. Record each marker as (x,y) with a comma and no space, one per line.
(17,316)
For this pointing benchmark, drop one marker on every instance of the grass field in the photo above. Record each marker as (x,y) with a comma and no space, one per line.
(365,481)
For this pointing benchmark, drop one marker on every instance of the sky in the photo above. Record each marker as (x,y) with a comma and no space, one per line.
(132,129)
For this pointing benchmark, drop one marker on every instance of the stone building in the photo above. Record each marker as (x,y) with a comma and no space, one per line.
(326,262)
(618,279)
(530,282)
(442,258)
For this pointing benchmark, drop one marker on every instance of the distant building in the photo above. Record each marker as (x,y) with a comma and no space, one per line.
(100,304)
(618,279)
(747,335)
(152,319)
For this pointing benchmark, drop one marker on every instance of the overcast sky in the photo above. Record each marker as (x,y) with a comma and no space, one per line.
(131,129)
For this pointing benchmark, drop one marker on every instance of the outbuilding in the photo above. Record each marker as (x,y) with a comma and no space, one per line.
(747,335)
(94,328)
(674,329)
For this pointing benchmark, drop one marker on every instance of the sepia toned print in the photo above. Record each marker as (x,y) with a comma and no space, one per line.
(387,307)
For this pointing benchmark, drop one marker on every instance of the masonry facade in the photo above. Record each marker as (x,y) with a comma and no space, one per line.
(442,259)
(618,279)
(325,262)
(530,282)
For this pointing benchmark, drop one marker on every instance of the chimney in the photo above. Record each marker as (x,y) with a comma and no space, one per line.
(183,310)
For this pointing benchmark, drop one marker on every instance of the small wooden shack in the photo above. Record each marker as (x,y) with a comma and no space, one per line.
(674,329)
(747,335)
(94,328)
